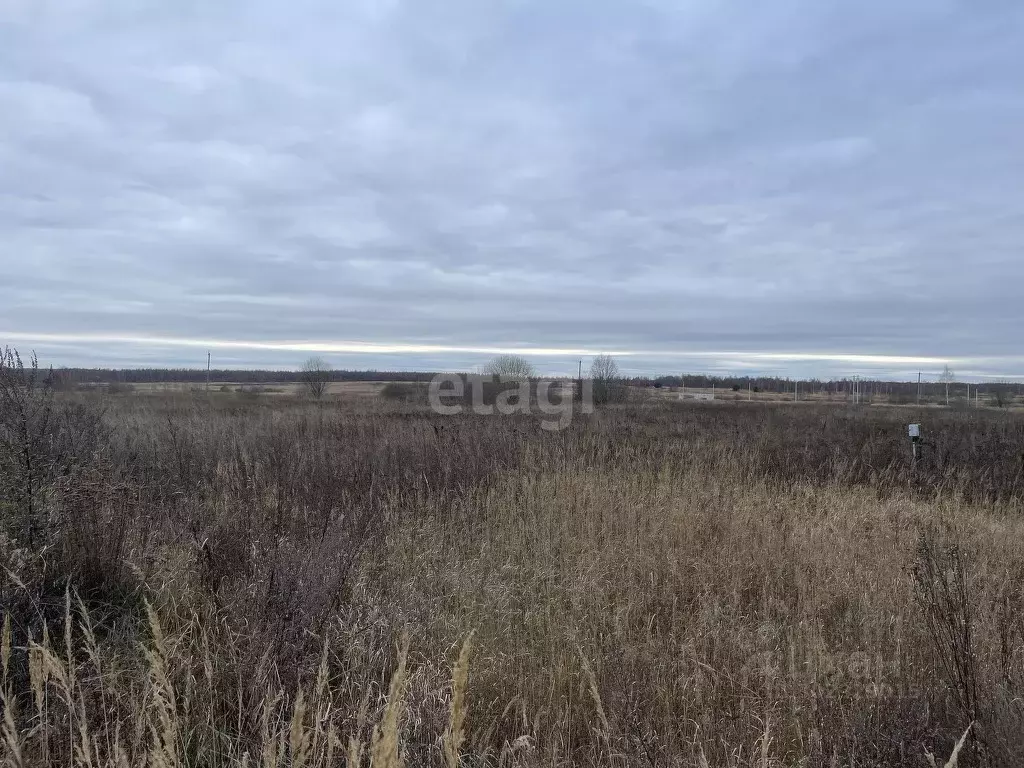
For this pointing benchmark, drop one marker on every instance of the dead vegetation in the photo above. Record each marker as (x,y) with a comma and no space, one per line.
(276,582)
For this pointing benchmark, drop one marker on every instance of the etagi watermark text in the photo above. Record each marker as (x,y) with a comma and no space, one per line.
(554,402)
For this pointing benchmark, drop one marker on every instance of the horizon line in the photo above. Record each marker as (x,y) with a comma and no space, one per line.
(349,347)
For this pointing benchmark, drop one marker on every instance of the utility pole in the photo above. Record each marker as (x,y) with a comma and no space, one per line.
(207,371)
(918,387)
(947,377)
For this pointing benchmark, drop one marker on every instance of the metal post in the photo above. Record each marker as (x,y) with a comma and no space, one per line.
(914,431)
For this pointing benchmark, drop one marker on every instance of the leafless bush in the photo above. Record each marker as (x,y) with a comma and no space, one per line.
(406,392)
(510,368)
(316,374)
(607,383)
(40,441)
(945,595)
(26,463)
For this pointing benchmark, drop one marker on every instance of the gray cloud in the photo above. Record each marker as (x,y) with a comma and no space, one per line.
(668,178)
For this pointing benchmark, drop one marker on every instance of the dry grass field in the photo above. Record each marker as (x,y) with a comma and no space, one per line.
(241,579)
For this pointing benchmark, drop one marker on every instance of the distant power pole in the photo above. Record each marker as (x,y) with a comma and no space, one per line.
(581,370)
(918,387)
(207,371)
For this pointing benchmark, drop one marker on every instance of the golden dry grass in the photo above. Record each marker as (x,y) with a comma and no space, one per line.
(318,587)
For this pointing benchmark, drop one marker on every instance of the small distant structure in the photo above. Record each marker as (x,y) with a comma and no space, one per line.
(696,396)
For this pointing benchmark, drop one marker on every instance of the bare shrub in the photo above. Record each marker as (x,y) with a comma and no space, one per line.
(407,392)
(316,374)
(510,368)
(944,592)
(41,440)
(26,463)
(608,386)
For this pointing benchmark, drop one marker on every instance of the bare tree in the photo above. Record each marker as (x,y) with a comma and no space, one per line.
(604,372)
(510,368)
(947,377)
(604,368)
(315,375)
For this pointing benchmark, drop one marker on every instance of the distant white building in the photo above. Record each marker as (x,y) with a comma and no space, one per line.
(696,396)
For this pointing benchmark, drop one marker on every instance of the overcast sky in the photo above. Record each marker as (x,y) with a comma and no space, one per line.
(797,185)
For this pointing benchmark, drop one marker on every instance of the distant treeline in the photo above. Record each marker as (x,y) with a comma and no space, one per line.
(901,390)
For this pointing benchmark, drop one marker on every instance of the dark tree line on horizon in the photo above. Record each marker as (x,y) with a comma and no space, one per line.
(901,391)
(904,391)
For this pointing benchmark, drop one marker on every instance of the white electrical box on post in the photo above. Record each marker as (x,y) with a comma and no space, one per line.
(914,431)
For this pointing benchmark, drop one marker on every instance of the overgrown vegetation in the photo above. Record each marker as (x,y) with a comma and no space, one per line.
(203,580)
(404,391)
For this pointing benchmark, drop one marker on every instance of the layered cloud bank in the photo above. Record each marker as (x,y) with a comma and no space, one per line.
(158,351)
(823,188)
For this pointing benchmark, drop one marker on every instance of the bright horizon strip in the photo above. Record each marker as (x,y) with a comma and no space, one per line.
(349,347)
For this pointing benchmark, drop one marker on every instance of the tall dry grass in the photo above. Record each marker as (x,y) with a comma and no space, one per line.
(265,582)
